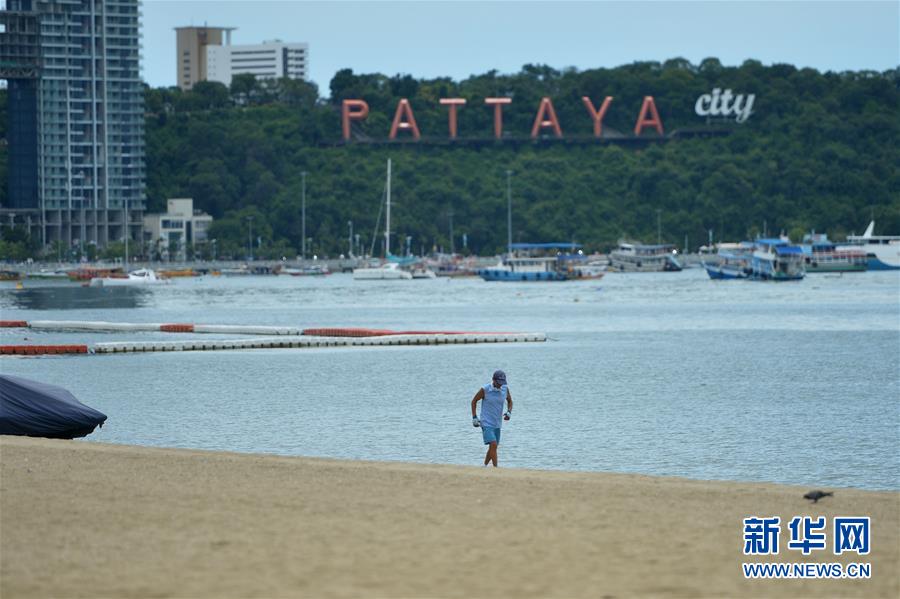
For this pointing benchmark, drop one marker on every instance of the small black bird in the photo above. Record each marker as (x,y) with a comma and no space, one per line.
(815,496)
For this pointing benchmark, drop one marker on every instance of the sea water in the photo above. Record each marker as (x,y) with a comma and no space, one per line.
(656,373)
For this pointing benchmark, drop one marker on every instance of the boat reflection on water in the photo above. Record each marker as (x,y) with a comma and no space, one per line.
(75,297)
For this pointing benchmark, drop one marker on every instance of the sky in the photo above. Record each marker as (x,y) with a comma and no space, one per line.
(459,38)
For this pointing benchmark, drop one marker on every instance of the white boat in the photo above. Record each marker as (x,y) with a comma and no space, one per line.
(136,278)
(47,273)
(423,272)
(389,271)
(883,251)
(637,257)
(385,272)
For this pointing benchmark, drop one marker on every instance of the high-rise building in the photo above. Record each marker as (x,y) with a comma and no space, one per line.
(76,118)
(206,54)
(190,45)
(272,59)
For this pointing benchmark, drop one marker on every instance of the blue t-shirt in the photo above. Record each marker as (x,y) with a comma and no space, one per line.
(492,405)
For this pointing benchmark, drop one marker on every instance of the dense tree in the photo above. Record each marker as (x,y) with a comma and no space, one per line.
(819,152)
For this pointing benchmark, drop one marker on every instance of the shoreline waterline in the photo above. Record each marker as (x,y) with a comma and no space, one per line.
(98,519)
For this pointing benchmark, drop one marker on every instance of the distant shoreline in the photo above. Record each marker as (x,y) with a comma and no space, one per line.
(92,519)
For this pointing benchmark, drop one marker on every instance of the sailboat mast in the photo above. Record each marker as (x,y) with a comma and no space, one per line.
(387,221)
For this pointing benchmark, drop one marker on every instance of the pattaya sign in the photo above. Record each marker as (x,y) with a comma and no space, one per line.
(544,121)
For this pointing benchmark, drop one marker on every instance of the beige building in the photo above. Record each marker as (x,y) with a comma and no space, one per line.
(180,227)
(191,43)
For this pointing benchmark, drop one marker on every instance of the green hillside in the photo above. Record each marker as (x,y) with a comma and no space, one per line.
(820,151)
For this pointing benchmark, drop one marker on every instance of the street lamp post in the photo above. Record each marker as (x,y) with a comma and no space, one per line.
(250,236)
(452,248)
(508,212)
(350,239)
(303,215)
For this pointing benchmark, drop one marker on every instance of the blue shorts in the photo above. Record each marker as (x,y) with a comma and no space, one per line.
(491,435)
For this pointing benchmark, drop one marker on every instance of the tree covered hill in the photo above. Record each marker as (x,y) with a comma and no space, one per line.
(820,151)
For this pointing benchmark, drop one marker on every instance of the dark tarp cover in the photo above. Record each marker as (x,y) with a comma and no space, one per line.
(39,410)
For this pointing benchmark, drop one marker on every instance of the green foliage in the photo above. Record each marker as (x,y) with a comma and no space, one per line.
(819,153)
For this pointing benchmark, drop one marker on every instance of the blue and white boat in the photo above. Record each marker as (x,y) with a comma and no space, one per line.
(775,259)
(882,251)
(540,262)
(731,263)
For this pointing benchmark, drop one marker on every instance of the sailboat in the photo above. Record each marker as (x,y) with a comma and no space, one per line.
(389,270)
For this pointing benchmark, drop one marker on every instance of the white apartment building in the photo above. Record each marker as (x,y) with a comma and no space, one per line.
(271,59)
(180,227)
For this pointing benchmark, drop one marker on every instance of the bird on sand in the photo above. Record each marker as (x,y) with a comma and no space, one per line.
(816,495)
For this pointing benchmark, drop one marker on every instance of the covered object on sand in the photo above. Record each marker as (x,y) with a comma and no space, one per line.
(39,410)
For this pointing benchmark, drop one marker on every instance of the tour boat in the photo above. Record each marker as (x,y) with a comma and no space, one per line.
(730,265)
(776,259)
(637,257)
(882,251)
(542,262)
(820,255)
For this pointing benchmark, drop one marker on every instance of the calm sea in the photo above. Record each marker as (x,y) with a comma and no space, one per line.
(667,374)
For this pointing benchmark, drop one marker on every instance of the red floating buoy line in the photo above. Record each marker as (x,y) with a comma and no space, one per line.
(310,337)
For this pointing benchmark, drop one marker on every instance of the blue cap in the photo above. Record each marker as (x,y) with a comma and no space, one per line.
(500,377)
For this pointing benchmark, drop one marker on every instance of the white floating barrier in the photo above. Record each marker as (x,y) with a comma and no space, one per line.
(306,342)
(80,325)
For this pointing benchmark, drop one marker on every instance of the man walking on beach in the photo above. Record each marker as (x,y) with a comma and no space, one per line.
(492,395)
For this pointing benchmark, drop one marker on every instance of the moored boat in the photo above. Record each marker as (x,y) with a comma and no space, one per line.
(730,263)
(541,262)
(390,271)
(821,255)
(306,271)
(775,259)
(882,251)
(638,257)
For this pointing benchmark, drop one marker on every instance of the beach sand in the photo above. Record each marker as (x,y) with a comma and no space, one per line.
(80,519)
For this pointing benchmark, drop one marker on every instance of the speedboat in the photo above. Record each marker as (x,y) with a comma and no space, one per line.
(136,278)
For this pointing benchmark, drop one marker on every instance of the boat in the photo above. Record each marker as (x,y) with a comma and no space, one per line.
(10,275)
(389,271)
(422,272)
(729,266)
(179,272)
(882,251)
(34,409)
(141,277)
(49,274)
(87,273)
(541,262)
(775,259)
(306,271)
(821,255)
(638,257)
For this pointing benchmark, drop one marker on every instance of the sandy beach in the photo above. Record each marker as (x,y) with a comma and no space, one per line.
(81,519)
